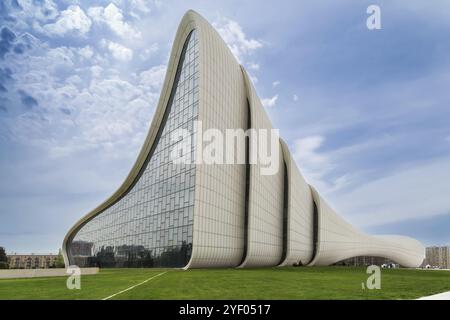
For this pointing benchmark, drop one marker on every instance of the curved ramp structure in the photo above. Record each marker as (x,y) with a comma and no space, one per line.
(338,240)
(170,212)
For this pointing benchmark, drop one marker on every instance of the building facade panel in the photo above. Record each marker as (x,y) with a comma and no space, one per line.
(266,196)
(299,237)
(338,240)
(219,202)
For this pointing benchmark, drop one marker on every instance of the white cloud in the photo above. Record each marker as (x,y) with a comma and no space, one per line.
(295,97)
(140,5)
(137,9)
(73,19)
(112,16)
(82,106)
(86,52)
(315,165)
(74,80)
(306,149)
(270,102)
(119,51)
(253,66)
(311,162)
(60,57)
(148,52)
(96,71)
(42,11)
(153,77)
(236,39)
(417,192)
(275,83)
(326,170)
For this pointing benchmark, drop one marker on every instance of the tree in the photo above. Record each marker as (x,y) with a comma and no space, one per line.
(59,262)
(3,259)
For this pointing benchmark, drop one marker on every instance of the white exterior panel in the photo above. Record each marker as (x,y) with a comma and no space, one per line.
(338,240)
(218,238)
(265,209)
(299,214)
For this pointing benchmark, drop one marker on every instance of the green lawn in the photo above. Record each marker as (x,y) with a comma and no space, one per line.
(264,283)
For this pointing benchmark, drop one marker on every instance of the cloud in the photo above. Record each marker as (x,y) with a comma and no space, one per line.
(306,149)
(71,20)
(111,114)
(415,192)
(62,58)
(7,37)
(295,97)
(253,66)
(86,52)
(153,77)
(317,165)
(270,102)
(306,153)
(275,83)
(27,100)
(147,53)
(141,5)
(34,12)
(112,16)
(236,39)
(96,71)
(375,198)
(118,51)
(5,77)
(15,4)
(19,48)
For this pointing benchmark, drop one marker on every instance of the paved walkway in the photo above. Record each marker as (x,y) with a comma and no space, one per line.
(439,296)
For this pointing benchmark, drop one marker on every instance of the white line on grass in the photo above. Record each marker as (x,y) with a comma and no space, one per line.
(439,296)
(127,289)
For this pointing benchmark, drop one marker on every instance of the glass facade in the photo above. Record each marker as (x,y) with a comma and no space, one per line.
(151,226)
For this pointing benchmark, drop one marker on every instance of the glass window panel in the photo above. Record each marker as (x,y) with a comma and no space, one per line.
(149,226)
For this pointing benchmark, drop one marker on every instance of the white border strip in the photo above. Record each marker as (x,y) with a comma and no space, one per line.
(439,296)
(136,285)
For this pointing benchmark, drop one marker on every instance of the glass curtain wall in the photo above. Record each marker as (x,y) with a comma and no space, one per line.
(152,224)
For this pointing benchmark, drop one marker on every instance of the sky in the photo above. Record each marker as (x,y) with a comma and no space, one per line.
(364,112)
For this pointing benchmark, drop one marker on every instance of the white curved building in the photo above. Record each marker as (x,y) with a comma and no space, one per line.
(216,215)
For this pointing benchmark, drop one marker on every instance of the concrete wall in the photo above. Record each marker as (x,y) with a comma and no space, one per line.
(38,273)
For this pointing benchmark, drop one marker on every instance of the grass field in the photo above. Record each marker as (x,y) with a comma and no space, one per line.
(265,283)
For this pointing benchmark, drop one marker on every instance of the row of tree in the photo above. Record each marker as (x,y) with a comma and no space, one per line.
(3,259)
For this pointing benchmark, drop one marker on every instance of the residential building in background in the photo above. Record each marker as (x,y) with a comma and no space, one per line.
(32,261)
(168,214)
(437,257)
